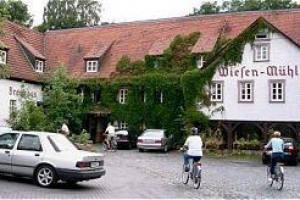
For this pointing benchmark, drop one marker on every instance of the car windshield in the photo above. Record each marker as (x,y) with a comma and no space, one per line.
(153,134)
(61,143)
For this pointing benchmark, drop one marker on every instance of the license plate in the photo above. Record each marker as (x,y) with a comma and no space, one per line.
(94,164)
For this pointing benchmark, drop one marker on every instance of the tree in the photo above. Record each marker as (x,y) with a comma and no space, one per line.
(62,14)
(207,8)
(244,5)
(62,102)
(16,11)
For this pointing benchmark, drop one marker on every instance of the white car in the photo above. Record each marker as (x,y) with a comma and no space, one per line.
(155,139)
(47,158)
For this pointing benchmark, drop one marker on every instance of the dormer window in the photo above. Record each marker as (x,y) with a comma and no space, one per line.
(263,35)
(3,57)
(200,62)
(39,66)
(92,66)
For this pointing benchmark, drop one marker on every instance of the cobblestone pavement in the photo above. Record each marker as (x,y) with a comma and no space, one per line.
(155,175)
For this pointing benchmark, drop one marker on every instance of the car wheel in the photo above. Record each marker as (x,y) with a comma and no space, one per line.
(45,176)
(141,150)
(71,183)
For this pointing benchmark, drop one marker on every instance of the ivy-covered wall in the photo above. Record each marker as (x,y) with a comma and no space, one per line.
(175,74)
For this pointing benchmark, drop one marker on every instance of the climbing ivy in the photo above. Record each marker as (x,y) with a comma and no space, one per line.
(175,75)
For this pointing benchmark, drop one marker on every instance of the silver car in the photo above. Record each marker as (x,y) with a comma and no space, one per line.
(155,139)
(47,158)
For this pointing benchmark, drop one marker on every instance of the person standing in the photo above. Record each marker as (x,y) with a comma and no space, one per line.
(65,129)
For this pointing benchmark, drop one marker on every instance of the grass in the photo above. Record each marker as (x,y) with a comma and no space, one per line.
(245,155)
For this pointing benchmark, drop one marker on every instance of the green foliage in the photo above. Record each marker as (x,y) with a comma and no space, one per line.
(241,5)
(62,14)
(243,144)
(82,138)
(62,102)
(16,11)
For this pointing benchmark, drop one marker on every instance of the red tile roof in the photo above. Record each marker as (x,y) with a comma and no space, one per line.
(136,39)
(20,67)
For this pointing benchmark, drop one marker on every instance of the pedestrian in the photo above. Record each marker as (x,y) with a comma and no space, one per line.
(64,129)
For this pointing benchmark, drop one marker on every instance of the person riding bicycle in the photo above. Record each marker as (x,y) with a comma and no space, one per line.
(277,145)
(111,133)
(193,147)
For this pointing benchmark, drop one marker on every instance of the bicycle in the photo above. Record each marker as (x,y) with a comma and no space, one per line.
(195,174)
(112,146)
(278,177)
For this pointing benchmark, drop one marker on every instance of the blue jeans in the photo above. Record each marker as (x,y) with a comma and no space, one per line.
(276,157)
(187,157)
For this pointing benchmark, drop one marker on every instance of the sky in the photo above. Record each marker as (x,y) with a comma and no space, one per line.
(128,10)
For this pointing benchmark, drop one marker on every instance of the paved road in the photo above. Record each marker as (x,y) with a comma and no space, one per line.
(146,175)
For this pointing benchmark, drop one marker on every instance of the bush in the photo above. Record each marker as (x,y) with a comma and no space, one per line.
(82,138)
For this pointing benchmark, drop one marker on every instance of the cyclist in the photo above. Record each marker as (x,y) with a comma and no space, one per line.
(193,145)
(111,133)
(276,143)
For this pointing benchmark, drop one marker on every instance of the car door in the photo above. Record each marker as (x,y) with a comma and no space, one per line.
(7,143)
(27,155)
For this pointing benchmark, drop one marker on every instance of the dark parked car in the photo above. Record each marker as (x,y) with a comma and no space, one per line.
(290,152)
(125,139)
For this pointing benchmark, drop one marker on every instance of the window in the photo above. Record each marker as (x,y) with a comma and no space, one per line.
(29,143)
(123,125)
(2,57)
(39,66)
(97,96)
(263,35)
(246,89)
(277,90)
(92,66)
(123,96)
(200,62)
(261,52)
(12,105)
(8,140)
(216,91)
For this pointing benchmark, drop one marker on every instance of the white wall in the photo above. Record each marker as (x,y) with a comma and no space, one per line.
(9,90)
(282,53)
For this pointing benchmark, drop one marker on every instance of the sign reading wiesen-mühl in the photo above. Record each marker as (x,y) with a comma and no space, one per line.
(272,71)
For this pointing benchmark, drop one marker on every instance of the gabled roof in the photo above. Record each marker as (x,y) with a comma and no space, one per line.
(71,47)
(20,67)
(97,51)
(31,49)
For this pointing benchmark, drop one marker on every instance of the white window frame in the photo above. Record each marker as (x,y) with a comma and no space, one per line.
(39,66)
(3,57)
(261,52)
(277,91)
(216,91)
(246,91)
(13,105)
(122,96)
(123,125)
(92,66)
(161,97)
(200,62)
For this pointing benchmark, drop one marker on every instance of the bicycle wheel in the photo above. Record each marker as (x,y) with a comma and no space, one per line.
(104,146)
(185,175)
(279,178)
(269,178)
(197,177)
